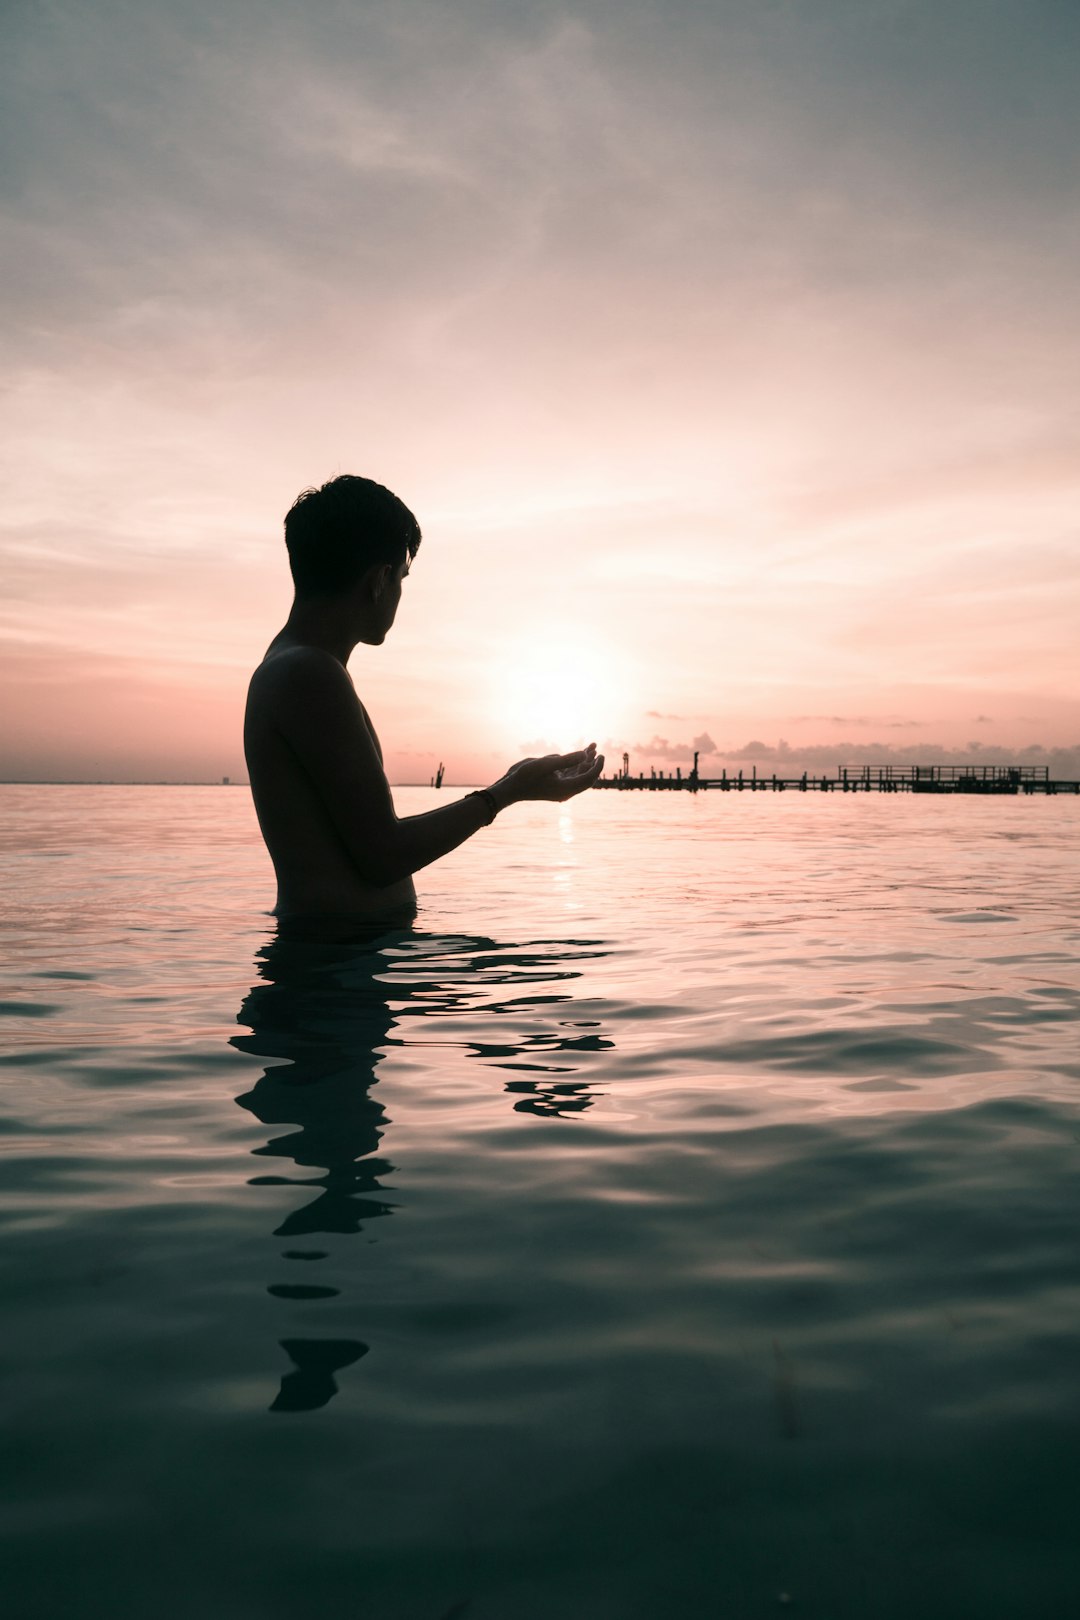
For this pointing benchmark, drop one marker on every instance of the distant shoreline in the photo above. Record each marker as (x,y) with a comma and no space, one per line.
(77,781)
(100,781)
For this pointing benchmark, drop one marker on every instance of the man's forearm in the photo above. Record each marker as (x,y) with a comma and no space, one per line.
(410,842)
(418,840)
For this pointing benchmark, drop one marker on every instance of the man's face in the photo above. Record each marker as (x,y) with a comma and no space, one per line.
(391,596)
(374,603)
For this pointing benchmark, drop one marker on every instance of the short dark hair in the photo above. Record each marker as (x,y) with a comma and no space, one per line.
(334,534)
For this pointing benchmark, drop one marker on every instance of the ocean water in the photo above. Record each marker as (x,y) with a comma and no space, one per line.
(682,1220)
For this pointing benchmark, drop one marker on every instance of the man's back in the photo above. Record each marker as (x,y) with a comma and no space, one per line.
(316,873)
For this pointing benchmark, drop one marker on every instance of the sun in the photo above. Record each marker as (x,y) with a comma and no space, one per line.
(558,690)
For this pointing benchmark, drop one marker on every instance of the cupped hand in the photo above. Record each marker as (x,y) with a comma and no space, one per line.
(552,776)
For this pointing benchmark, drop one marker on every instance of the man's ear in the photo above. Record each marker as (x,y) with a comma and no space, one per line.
(379,577)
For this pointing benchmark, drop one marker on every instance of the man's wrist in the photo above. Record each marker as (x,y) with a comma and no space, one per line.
(488,803)
(501,793)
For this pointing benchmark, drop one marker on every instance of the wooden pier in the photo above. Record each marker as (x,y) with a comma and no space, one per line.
(980,779)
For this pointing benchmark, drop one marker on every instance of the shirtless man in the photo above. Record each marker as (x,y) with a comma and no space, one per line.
(314,761)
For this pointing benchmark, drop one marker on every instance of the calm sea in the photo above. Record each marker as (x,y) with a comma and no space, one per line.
(683,1220)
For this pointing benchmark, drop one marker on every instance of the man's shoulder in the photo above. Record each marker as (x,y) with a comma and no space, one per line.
(300,666)
(292,679)
(306,695)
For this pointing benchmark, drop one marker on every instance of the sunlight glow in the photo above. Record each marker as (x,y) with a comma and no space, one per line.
(557,691)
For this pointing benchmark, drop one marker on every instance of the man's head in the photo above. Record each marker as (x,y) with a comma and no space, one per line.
(352,538)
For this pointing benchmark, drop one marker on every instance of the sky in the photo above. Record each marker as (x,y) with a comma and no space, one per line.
(726,350)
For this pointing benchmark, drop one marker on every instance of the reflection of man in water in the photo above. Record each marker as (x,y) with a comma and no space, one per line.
(314,761)
(320,1014)
(325,1013)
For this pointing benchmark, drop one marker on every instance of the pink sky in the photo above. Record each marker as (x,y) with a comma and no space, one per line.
(728,361)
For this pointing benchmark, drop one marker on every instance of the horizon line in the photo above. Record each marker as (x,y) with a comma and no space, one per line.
(138,781)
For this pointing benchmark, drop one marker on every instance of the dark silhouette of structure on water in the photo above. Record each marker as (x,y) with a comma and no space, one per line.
(436,780)
(984,779)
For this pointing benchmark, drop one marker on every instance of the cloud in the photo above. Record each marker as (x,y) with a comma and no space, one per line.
(1063,762)
(661,748)
(721,246)
(891,722)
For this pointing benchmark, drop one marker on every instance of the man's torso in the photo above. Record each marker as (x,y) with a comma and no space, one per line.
(315,873)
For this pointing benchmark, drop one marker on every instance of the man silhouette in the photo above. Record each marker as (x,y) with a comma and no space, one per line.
(314,761)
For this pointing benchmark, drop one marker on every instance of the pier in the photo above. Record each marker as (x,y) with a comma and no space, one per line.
(978,779)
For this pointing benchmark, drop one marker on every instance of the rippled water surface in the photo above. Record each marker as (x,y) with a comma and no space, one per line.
(681,1220)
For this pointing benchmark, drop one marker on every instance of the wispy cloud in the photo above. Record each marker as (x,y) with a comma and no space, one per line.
(890,722)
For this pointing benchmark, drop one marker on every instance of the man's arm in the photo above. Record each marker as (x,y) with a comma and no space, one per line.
(319,716)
